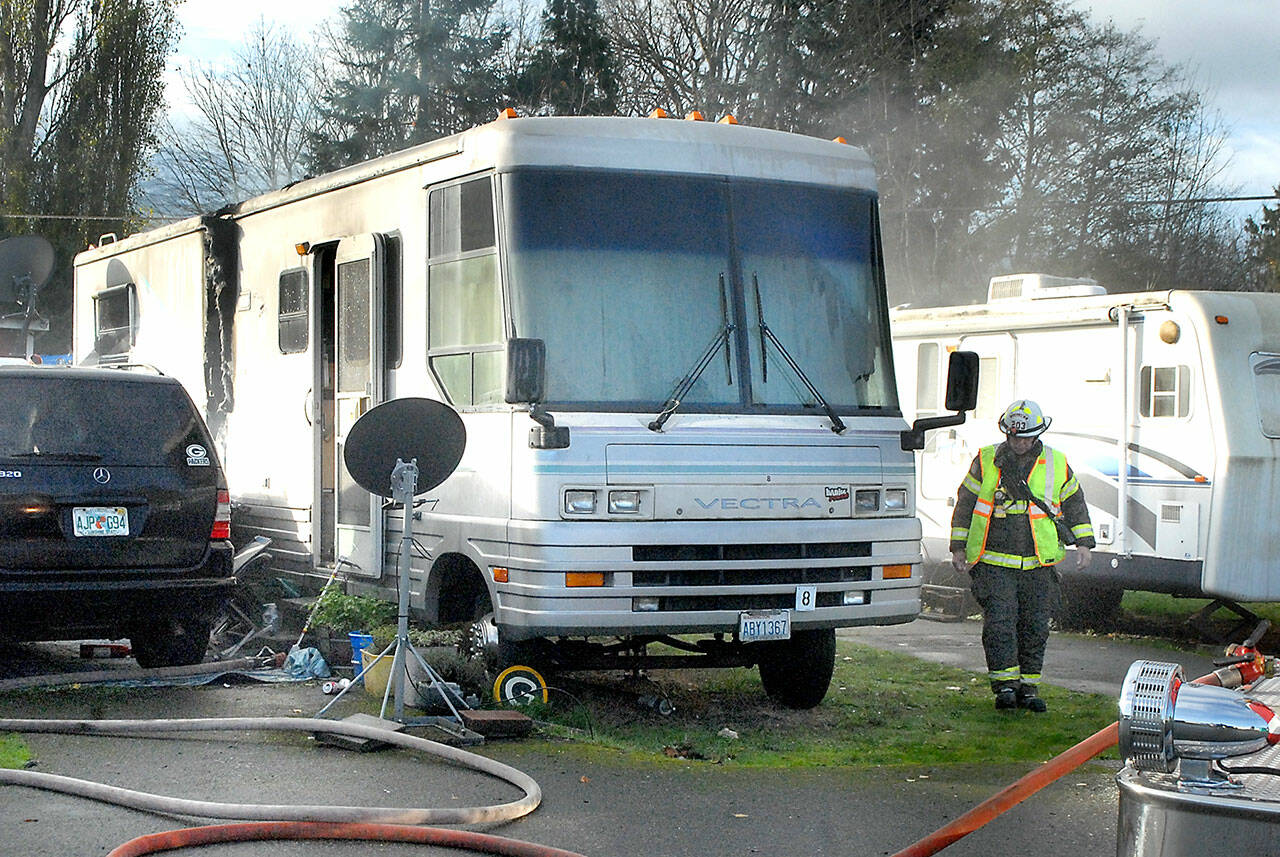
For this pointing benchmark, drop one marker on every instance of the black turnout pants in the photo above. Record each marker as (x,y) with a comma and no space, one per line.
(1016,606)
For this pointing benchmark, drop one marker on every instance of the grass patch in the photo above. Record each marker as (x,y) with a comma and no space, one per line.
(884,708)
(13,752)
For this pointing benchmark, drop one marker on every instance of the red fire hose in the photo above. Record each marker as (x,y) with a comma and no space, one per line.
(191,837)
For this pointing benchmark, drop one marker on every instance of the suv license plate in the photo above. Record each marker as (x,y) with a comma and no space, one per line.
(758,625)
(100,521)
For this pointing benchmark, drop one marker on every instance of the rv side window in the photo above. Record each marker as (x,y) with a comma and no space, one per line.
(113,323)
(293,315)
(927,378)
(1164,391)
(1266,386)
(464,301)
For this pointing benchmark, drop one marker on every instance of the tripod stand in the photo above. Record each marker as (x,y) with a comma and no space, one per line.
(404,482)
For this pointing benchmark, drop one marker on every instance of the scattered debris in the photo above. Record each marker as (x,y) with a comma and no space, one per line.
(726,732)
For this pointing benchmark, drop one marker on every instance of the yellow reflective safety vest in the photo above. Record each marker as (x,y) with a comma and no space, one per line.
(1046,479)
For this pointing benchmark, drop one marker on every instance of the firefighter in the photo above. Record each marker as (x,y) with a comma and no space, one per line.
(1017,508)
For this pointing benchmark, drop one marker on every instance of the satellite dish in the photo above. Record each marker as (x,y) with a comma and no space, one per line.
(404,429)
(26,261)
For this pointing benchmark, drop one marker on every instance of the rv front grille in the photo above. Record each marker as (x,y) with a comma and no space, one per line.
(761,601)
(750,576)
(738,553)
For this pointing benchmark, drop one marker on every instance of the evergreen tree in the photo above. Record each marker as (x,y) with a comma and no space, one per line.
(1263,242)
(407,71)
(571,69)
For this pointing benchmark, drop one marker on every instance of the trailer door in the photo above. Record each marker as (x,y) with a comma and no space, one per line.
(359,370)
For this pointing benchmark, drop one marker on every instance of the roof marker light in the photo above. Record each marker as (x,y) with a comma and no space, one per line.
(840,140)
(302,247)
(694,116)
(508,113)
(1220,319)
(658,113)
(727,119)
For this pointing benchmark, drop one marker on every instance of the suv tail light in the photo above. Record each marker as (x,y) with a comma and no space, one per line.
(222,517)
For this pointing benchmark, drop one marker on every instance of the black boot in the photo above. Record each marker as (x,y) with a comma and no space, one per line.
(1029,699)
(1006,698)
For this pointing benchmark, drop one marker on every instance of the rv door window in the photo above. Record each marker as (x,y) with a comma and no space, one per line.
(113,323)
(927,379)
(1164,391)
(292,315)
(1266,386)
(988,388)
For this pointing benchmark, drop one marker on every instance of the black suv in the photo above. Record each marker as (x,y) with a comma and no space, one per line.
(114,514)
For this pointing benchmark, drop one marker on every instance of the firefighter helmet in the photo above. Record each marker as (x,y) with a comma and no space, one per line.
(1024,419)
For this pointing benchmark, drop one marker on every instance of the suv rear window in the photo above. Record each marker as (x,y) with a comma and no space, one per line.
(133,423)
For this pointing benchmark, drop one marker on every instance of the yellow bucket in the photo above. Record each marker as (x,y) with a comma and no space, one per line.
(376,675)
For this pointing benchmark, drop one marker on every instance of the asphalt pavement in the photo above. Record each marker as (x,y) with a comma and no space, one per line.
(595,802)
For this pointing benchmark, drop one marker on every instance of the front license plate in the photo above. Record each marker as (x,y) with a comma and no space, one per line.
(100,521)
(755,626)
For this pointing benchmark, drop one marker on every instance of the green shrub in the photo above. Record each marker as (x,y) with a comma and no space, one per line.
(343,613)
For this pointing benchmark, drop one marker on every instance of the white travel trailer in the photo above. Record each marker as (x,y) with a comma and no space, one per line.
(1170,400)
(669,344)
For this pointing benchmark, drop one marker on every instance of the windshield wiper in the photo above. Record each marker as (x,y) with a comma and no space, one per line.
(721,340)
(766,336)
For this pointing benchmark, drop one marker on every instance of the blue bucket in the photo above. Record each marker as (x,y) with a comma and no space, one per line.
(359,642)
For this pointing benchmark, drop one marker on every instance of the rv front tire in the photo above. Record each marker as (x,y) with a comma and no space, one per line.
(797,672)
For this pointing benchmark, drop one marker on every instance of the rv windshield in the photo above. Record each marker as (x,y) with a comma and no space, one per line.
(620,274)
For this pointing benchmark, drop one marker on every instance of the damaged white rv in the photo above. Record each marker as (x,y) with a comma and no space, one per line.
(1170,400)
(669,344)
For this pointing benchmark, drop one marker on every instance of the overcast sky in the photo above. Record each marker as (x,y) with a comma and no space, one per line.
(1231,49)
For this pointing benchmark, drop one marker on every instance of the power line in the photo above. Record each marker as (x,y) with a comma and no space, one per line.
(107,217)
(1065,203)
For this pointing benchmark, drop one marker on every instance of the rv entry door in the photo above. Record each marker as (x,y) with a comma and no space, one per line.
(359,372)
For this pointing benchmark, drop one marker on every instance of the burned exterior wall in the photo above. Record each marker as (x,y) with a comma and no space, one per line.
(222,292)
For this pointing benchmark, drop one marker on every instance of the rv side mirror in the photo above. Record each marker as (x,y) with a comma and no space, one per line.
(526,370)
(962,381)
(962,395)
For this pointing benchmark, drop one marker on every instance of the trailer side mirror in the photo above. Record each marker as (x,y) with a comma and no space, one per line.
(526,371)
(962,395)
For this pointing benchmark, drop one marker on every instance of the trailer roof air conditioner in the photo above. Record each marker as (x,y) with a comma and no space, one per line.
(1011,287)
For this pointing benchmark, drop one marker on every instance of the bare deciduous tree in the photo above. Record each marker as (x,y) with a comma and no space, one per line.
(247,130)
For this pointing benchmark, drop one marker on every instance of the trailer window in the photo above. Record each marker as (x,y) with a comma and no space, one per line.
(1164,391)
(464,300)
(293,316)
(114,326)
(1266,386)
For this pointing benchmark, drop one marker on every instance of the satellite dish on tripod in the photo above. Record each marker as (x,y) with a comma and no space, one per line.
(402,430)
(399,449)
(26,261)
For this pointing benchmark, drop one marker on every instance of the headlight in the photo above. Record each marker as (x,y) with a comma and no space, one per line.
(866,500)
(895,500)
(645,604)
(624,502)
(579,502)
